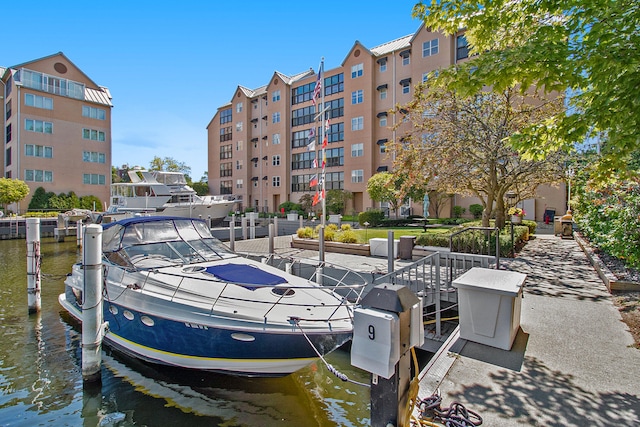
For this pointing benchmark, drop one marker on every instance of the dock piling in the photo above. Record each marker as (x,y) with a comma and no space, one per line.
(93,326)
(33,264)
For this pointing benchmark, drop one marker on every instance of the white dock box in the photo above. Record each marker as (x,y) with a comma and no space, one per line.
(379,246)
(376,341)
(490,306)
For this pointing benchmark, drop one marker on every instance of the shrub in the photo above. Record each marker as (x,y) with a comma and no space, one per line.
(305,233)
(329,234)
(345,227)
(289,207)
(458,211)
(332,227)
(476,210)
(374,217)
(347,236)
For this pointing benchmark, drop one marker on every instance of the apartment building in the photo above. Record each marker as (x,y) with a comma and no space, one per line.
(57,128)
(258,142)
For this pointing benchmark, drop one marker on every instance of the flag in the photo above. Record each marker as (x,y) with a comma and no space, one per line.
(327,125)
(314,181)
(316,199)
(324,159)
(312,135)
(324,142)
(311,146)
(315,162)
(318,88)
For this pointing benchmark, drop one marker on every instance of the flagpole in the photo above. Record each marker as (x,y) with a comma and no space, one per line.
(324,194)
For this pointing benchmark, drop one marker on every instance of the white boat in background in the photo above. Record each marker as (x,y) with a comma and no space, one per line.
(175,295)
(168,194)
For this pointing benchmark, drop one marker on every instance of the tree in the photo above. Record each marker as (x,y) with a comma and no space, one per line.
(12,191)
(459,145)
(587,48)
(169,164)
(393,188)
(337,200)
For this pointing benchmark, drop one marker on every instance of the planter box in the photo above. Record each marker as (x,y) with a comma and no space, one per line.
(379,247)
(292,216)
(337,247)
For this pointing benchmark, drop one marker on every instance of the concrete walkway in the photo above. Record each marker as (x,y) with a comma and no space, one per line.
(572,363)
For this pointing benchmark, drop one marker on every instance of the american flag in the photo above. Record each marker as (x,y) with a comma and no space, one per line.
(318,88)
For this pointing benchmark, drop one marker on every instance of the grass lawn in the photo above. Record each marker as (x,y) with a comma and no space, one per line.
(371,233)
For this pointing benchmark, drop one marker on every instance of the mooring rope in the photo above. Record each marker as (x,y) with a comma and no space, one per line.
(456,415)
(329,366)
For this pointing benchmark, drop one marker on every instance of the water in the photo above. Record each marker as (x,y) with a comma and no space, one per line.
(41,382)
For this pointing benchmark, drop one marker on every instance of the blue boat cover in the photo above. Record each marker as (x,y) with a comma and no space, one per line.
(245,275)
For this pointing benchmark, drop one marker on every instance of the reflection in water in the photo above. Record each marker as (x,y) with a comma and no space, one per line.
(41,381)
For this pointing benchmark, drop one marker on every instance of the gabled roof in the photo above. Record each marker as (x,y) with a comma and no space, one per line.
(24,64)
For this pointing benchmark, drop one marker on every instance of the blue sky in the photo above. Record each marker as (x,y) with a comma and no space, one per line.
(169,65)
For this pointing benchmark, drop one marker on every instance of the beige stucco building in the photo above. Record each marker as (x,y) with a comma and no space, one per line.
(57,128)
(258,142)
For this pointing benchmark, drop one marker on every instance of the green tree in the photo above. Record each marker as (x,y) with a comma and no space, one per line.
(587,48)
(386,187)
(337,200)
(12,191)
(458,145)
(169,164)
(39,200)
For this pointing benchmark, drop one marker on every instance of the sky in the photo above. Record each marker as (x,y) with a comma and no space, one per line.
(170,65)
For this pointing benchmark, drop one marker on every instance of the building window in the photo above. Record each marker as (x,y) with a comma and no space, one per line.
(239,146)
(462,47)
(8,133)
(430,48)
(383,65)
(226,151)
(357,97)
(334,84)
(226,187)
(303,160)
(51,84)
(303,116)
(38,151)
(38,126)
(93,179)
(276,181)
(383,93)
(275,118)
(302,93)
(226,116)
(406,85)
(357,123)
(357,150)
(275,160)
(275,97)
(239,107)
(275,139)
(406,57)
(38,101)
(239,183)
(335,157)
(239,127)
(226,169)
(383,121)
(334,181)
(93,135)
(7,157)
(357,176)
(357,70)
(8,109)
(93,112)
(334,108)
(239,164)
(335,132)
(226,134)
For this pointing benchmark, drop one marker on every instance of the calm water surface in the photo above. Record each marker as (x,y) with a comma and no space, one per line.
(41,382)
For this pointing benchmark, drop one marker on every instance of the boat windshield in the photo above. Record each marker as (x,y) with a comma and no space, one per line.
(170,240)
